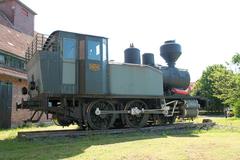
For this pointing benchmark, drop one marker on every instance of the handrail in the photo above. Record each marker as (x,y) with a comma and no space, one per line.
(40,42)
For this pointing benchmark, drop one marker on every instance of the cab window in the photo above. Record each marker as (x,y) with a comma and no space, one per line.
(104,43)
(94,50)
(69,48)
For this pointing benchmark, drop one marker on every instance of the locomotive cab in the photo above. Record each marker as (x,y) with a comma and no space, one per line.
(76,62)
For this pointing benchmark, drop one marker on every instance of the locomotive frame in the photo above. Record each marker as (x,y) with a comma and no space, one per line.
(78,109)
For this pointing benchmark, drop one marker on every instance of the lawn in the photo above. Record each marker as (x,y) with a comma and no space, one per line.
(220,143)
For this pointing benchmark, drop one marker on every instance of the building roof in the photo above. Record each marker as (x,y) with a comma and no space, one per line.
(26,7)
(23,5)
(5,21)
(14,42)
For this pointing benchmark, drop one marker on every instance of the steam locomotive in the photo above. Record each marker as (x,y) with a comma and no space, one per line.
(71,79)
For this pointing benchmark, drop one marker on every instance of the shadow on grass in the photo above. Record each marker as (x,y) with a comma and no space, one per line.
(59,148)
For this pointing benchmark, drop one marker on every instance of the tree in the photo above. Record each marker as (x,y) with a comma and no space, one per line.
(236,59)
(221,86)
(215,83)
(235,96)
(234,99)
(235,63)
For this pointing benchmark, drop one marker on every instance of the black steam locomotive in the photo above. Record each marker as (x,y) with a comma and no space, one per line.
(71,79)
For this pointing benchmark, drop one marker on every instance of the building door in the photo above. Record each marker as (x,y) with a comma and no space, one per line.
(5,105)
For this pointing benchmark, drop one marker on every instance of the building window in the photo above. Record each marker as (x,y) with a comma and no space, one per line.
(12,62)
(69,48)
(2,59)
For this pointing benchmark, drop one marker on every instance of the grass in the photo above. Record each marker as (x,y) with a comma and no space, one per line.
(214,144)
(234,122)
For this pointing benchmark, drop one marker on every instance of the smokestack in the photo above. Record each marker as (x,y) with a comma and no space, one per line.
(170,52)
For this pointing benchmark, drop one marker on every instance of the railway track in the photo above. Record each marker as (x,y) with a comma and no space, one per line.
(77,133)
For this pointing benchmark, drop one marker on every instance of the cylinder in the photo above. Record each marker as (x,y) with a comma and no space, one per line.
(175,78)
(148,59)
(132,55)
(190,109)
(170,52)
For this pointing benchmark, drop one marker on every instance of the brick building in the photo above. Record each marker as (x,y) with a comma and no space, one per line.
(16,32)
(16,15)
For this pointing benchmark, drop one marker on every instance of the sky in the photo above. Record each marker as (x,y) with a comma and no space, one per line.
(208,30)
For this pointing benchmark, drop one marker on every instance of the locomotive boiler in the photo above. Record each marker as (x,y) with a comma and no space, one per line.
(70,78)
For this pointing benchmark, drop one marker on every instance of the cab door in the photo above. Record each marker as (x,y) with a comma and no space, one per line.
(69,65)
(96,65)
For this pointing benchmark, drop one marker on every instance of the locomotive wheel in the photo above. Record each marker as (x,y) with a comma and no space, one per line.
(136,120)
(167,120)
(171,120)
(102,121)
(60,120)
